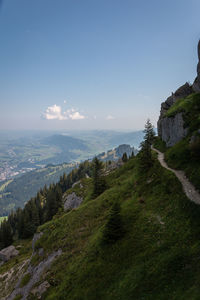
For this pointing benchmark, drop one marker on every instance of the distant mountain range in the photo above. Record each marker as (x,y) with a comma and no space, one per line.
(17,191)
(117,153)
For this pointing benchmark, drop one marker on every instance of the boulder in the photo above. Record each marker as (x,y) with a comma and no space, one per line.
(41,289)
(7,253)
(71,201)
(36,237)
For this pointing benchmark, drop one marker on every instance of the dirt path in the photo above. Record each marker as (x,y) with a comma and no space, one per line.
(188,188)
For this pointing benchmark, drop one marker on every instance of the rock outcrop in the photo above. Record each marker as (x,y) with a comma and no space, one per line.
(36,237)
(117,153)
(71,201)
(35,276)
(196,84)
(171,129)
(41,289)
(8,253)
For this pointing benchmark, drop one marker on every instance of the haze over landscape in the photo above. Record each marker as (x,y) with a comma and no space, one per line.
(99,150)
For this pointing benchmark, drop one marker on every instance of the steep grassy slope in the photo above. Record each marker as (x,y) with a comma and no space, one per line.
(158,257)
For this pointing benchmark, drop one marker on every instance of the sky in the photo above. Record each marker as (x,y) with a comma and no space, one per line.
(93,64)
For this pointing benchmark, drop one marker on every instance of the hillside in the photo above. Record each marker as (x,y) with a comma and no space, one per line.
(16,192)
(157,257)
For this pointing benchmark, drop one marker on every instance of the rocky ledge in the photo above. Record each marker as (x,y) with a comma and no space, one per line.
(171,129)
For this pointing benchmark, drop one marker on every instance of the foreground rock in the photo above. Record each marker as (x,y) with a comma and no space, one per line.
(41,289)
(7,253)
(35,273)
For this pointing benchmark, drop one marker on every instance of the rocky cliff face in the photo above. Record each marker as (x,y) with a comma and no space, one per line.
(196,84)
(117,153)
(171,129)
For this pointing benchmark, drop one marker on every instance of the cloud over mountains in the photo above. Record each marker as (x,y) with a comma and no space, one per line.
(55,112)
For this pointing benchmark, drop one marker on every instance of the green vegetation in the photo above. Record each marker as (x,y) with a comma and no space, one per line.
(6,234)
(157,256)
(145,154)
(2,219)
(185,155)
(181,157)
(18,297)
(190,106)
(136,239)
(24,222)
(4,185)
(124,157)
(113,230)
(159,144)
(99,184)
(14,193)
(25,280)
(179,106)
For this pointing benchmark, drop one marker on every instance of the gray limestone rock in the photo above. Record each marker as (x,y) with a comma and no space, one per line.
(172,129)
(196,84)
(36,237)
(41,252)
(35,272)
(41,289)
(8,253)
(72,201)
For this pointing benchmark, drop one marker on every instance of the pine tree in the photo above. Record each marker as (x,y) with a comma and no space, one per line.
(6,234)
(113,230)
(149,132)
(132,155)
(124,157)
(145,155)
(99,183)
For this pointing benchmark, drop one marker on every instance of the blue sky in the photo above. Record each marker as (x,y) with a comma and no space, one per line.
(93,64)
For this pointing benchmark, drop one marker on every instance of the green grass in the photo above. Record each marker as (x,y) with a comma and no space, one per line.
(25,280)
(158,257)
(190,106)
(159,144)
(3,186)
(185,155)
(2,219)
(184,104)
(180,157)
(18,297)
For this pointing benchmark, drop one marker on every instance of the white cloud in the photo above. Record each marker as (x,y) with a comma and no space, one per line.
(54,112)
(75,115)
(110,117)
(65,101)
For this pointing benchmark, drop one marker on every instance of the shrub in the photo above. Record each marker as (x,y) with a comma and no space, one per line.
(25,280)
(113,229)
